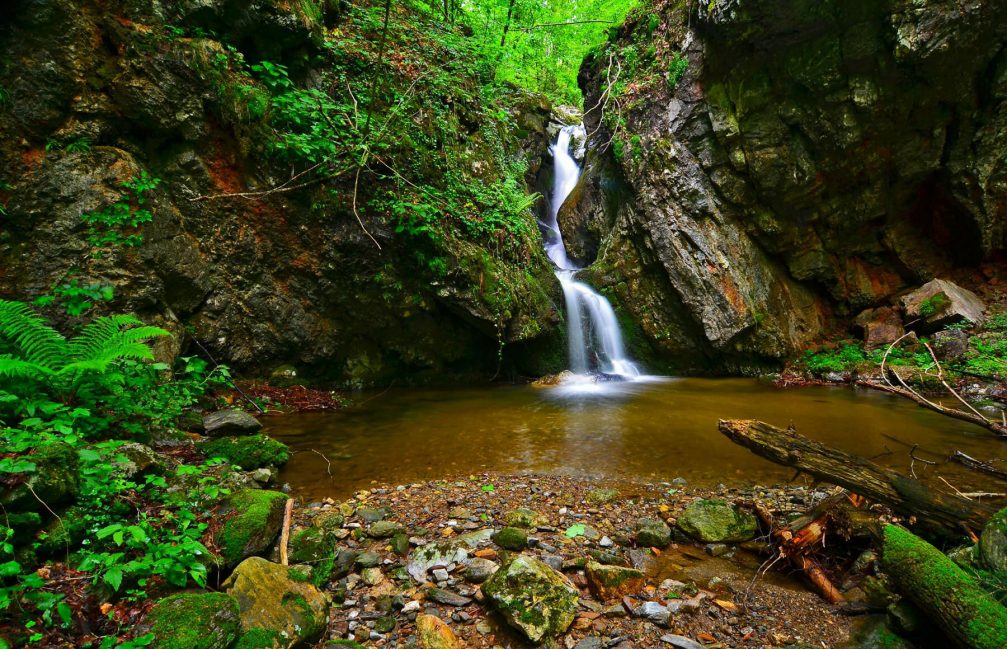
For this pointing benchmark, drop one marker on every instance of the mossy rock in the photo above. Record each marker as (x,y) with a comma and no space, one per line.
(609,582)
(55,480)
(193,621)
(434,633)
(249,452)
(511,538)
(525,518)
(652,533)
(312,544)
(329,520)
(384,530)
(272,599)
(601,496)
(534,599)
(715,521)
(258,515)
(993,542)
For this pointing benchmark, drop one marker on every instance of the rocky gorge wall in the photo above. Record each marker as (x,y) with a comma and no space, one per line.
(763,172)
(93,94)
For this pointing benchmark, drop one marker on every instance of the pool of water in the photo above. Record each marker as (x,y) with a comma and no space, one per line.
(648,430)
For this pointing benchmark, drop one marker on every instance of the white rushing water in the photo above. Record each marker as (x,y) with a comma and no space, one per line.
(595,340)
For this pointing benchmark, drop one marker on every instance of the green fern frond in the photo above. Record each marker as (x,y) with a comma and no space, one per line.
(15,368)
(29,333)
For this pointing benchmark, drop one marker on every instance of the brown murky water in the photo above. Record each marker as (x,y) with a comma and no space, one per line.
(642,431)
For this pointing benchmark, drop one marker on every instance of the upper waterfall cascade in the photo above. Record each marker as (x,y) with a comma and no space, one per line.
(594,338)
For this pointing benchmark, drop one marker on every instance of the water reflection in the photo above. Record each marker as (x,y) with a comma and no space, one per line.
(642,430)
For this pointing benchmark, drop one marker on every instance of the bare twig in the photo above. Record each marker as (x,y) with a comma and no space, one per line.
(288,510)
(356,186)
(328,464)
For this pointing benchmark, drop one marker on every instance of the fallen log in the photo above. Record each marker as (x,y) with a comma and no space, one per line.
(946,593)
(977,465)
(936,509)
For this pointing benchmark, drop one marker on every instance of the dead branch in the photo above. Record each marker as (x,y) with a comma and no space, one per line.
(288,510)
(977,465)
(937,509)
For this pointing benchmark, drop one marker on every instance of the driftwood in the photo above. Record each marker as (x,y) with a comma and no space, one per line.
(288,509)
(977,465)
(936,509)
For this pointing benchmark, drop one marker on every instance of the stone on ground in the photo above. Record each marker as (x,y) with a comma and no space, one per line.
(939,303)
(881,326)
(193,621)
(525,518)
(511,538)
(433,633)
(652,533)
(993,543)
(249,452)
(273,600)
(254,517)
(609,582)
(230,422)
(715,521)
(533,598)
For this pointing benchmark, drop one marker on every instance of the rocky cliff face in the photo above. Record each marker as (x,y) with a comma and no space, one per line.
(788,166)
(92,94)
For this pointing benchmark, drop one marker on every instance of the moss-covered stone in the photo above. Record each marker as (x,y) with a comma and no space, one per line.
(260,639)
(511,538)
(194,621)
(270,600)
(602,495)
(533,598)
(993,542)
(525,518)
(255,517)
(715,521)
(608,581)
(652,533)
(55,480)
(944,591)
(249,452)
(384,530)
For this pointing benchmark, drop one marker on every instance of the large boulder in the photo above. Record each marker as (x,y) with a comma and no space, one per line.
(230,422)
(715,521)
(881,326)
(993,543)
(250,452)
(534,599)
(252,521)
(193,621)
(278,602)
(939,303)
(55,478)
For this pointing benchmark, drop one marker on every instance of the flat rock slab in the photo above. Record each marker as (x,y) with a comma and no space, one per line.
(939,303)
(230,422)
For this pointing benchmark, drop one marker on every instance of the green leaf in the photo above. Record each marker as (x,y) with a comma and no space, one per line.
(113,577)
(10,569)
(575,530)
(488,487)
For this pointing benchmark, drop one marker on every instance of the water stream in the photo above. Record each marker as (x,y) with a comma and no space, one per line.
(595,340)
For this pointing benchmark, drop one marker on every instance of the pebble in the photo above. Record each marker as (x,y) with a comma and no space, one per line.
(606,542)
(653,612)
(411,607)
(440,574)
(680,642)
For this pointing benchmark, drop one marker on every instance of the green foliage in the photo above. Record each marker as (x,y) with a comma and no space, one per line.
(75,297)
(987,355)
(843,358)
(116,225)
(676,69)
(934,304)
(85,365)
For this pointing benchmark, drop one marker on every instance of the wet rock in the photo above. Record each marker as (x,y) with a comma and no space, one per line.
(717,549)
(993,542)
(384,530)
(652,533)
(950,345)
(253,520)
(939,303)
(602,495)
(272,599)
(881,326)
(479,570)
(525,518)
(447,598)
(680,642)
(533,598)
(134,459)
(55,480)
(609,582)
(551,380)
(715,521)
(511,538)
(192,621)
(653,612)
(230,422)
(249,452)
(433,633)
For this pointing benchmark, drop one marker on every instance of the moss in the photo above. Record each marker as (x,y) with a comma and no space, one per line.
(194,621)
(56,478)
(249,452)
(938,586)
(511,538)
(260,639)
(256,524)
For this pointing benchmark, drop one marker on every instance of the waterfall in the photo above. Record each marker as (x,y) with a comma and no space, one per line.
(594,338)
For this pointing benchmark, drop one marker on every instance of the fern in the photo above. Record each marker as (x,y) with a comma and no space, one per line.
(40,353)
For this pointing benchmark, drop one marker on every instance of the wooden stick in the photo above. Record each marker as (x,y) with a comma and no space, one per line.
(977,465)
(939,510)
(288,510)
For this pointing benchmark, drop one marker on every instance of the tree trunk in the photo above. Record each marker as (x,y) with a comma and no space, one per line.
(939,510)
(506,29)
(971,617)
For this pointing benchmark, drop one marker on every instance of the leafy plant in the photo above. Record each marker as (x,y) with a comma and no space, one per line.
(116,224)
(844,358)
(934,304)
(676,69)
